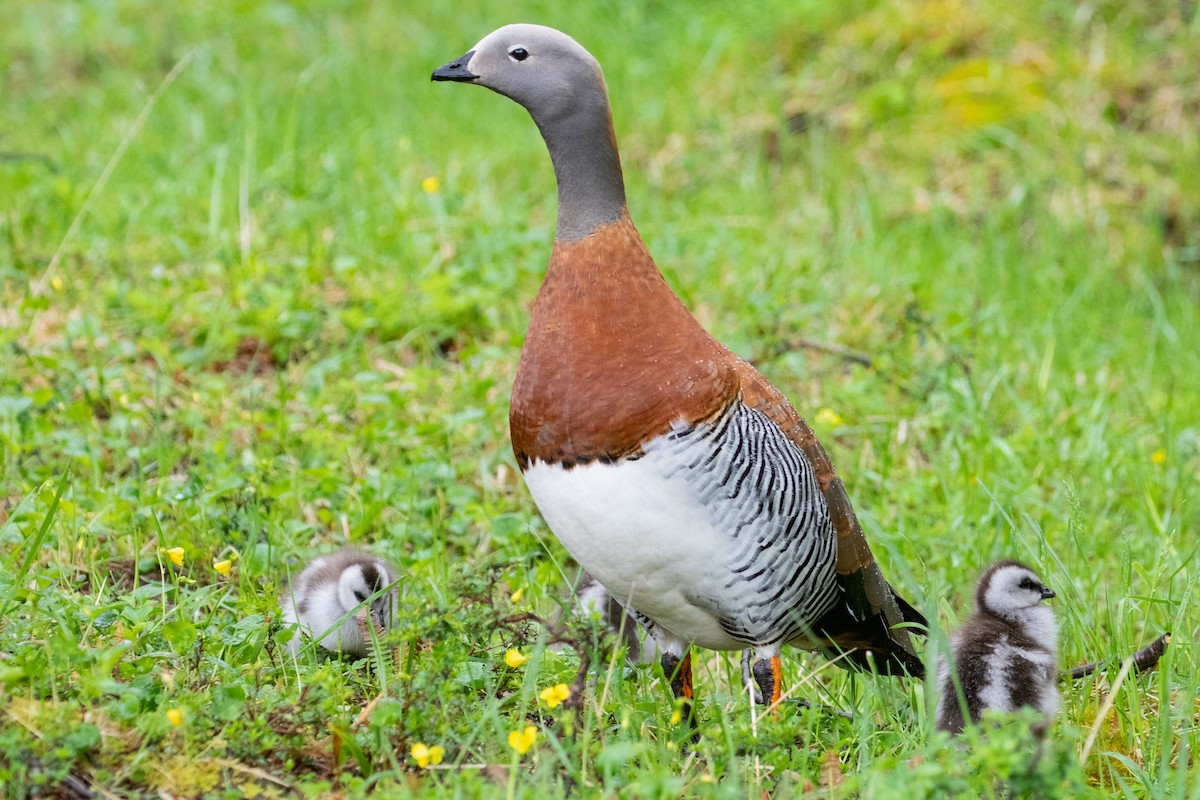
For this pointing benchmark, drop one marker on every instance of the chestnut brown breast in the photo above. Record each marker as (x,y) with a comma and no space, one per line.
(612,357)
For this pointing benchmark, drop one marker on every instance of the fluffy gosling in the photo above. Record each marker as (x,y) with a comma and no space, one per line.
(1005,654)
(319,599)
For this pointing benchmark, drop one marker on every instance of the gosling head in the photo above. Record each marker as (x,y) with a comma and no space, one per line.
(359,582)
(1010,590)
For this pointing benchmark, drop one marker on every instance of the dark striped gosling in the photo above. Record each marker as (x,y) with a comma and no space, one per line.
(1006,653)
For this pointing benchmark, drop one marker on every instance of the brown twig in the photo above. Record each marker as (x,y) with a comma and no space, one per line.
(556,635)
(74,786)
(579,685)
(1144,659)
(844,353)
(365,714)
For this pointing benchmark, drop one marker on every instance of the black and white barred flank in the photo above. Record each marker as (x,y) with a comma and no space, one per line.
(761,491)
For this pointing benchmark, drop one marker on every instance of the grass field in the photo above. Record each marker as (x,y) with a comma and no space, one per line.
(262,289)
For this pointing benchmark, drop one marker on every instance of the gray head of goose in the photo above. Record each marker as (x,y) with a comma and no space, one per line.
(562,87)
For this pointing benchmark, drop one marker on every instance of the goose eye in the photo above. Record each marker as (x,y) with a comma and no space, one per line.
(360,596)
(518,54)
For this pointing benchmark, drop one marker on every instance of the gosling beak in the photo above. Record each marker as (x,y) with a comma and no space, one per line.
(1047,593)
(456,70)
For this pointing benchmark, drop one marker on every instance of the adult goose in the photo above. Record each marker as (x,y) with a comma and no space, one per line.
(669,468)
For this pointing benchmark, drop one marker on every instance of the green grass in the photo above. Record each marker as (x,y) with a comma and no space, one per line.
(233,320)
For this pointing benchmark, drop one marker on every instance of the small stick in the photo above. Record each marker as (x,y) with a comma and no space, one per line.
(261,774)
(1144,659)
(558,636)
(365,714)
(579,685)
(844,353)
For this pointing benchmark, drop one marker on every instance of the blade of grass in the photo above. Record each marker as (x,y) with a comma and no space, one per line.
(106,173)
(35,544)
(1104,709)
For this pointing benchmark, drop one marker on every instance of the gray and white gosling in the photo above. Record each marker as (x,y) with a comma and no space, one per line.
(333,585)
(1005,654)
(624,626)
(594,600)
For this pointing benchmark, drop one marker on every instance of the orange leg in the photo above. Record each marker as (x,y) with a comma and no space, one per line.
(679,672)
(768,674)
(777,677)
(685,677)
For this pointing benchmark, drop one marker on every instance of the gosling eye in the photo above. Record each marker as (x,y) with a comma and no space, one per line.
(518,53)
(360,596)
(1030,585)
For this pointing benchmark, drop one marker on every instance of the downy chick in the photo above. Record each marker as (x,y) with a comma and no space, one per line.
(1005,654)
(329,588)
(590,599)
(622,625)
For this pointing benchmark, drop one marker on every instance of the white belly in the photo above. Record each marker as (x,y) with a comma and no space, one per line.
(719,533)
(644,536)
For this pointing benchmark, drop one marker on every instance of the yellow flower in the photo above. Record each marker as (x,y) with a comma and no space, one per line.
(522,741)
(827,418)
(175,554)
(514,658)
(57,283)
(425,756)
(430,185)
(1159,456)
(223,567)
(555,695)
(175,716)
(516,596)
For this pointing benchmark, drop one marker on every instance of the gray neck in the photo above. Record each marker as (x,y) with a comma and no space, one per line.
(591,191)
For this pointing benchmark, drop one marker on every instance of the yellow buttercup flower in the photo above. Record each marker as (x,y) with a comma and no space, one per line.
(175,716)
(430,185)
(555,695)
(223,567)
(1159,456)
(827,417)
(426,756)
(521,741)
(516,596)
(514,658)
(174,553)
